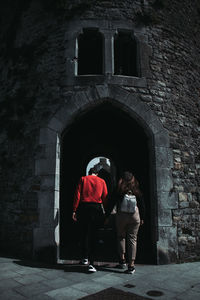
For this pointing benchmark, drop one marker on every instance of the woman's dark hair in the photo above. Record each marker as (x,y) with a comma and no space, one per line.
(127,183)
(127,176)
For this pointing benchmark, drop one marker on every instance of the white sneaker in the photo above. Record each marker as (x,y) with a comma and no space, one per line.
(84,261)
(91,268)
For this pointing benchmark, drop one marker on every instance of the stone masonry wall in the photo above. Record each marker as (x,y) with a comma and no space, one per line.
(175,93)
(32,80)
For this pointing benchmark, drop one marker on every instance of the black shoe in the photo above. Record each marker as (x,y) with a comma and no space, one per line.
(84,261)
(131,270)
(122,264)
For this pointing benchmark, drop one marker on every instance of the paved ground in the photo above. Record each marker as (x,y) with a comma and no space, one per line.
(21,280)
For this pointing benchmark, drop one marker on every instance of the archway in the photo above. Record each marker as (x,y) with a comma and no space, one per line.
(110,132)
(129,110)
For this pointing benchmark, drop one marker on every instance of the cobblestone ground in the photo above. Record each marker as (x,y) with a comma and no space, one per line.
(21,280)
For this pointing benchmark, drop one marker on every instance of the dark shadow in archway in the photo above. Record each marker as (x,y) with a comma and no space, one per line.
(106,131)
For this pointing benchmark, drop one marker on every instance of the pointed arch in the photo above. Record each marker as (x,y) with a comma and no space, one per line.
(78,104)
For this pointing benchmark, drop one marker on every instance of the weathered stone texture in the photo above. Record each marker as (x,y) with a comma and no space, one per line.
(33,87)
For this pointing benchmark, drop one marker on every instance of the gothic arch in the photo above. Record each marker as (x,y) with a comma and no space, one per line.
(48,168)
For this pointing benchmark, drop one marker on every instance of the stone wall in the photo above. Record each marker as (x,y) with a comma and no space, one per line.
(176,68)
(33,78)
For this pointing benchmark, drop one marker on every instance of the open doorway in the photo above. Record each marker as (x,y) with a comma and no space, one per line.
(109,132)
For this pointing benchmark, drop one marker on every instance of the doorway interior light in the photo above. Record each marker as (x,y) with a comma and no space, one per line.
(98,161)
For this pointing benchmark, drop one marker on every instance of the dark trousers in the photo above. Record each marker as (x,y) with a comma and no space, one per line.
(90,219)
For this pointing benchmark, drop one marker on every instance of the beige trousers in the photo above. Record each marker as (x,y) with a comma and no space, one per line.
(127,226)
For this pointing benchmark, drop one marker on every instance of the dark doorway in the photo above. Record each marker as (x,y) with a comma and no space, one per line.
(106,131)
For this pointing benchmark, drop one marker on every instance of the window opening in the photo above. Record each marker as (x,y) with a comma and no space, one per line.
(125,54)
(90,52)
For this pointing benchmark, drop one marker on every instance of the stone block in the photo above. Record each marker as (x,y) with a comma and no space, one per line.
(135,103)
(102,91)
(11,294)
(164,217)
(164,179)
(65,113)
(47,183)
(47,136)
(167,244)
(32,290)
(81,100)
(184,204)
(46,199)
(133,100)
(164,158)
(57,281)
(183,197)
(158,99)
(108,279)
(66,293)
(45,166)
(46,217)
(156,127)
(162,138)
(178,166)
(43,237)
(88,287)
(52,150)
(146,98)
(92,95)
(167,200)
(118,93)
(145,113)
(55,124)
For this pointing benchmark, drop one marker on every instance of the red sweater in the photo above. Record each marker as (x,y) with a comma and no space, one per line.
(91,188)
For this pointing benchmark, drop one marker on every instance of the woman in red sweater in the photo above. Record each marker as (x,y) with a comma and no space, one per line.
(91,193)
